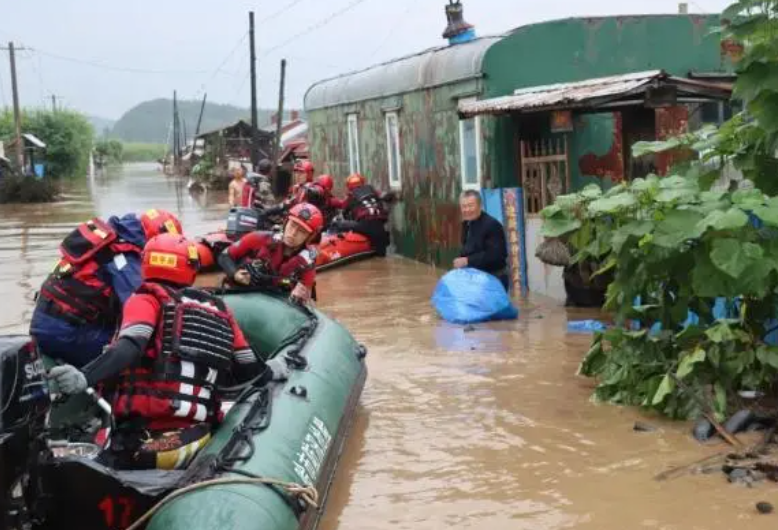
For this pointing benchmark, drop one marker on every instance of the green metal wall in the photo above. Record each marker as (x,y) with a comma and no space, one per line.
(426,224)
(577,49)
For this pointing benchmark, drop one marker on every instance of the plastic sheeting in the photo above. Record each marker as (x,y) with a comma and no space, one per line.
(466,296)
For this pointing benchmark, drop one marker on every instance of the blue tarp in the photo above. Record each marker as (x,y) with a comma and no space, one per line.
(466,296)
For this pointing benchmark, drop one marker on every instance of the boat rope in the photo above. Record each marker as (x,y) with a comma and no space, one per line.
(305,493)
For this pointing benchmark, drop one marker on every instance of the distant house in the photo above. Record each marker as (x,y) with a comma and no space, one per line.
(232,144)
(34,154)
(541,110)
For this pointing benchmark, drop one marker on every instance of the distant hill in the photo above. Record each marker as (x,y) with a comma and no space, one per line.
(150,121)
(101,125)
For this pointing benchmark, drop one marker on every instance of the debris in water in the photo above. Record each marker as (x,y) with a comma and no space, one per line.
(703,430)
(764,507)
(585,326)
(739,421)
(643,427)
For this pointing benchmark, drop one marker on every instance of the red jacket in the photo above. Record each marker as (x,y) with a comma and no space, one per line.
(269,248)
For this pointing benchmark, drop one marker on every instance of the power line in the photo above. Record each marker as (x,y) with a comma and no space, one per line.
(392,29)
(280,11)
(117,68)
(316,26)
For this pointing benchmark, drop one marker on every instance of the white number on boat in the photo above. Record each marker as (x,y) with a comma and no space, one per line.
(313,451)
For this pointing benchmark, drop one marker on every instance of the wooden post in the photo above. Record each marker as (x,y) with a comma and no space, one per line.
(254,117)
(280,120)
(17,110)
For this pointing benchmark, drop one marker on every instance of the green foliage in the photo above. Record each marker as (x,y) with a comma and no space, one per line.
(140,152)
(18,189)
(108,152)
(149,122)
(68,137)
(677,246)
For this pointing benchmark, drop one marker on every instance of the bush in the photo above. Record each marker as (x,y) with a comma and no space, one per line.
(68,137)
(139,152)
(108,152)
(17,189)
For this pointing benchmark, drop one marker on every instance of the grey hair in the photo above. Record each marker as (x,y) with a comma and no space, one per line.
(470,193)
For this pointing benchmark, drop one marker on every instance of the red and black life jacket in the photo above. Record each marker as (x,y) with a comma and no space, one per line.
(191,351)
(268,259)
(311,193)
(365,205)
(74,290)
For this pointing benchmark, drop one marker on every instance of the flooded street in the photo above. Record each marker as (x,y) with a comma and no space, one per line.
(482,429)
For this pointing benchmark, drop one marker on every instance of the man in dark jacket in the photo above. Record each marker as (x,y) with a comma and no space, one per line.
(483,239)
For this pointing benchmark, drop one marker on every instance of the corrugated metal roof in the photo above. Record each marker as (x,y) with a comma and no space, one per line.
(589,93)
(34,140)
(430,68)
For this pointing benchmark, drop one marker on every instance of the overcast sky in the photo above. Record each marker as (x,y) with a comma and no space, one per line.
(104,56)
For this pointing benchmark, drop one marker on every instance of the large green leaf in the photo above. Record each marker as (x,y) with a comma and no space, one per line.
(687,363)
(707,280)
(733,257)
(768,215)
(677,227)
(666,388)
(609,205)
(719,401)
(634,228)
(559,226)
(721,332)
(748,199)
(649,148)
(591,191)
(768,355)
(550,211)
(730,220)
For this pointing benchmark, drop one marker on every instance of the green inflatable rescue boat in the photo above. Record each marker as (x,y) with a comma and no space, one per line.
(273,440)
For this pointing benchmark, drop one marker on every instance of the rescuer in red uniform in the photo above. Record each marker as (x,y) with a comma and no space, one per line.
(303,173)
(285,261)
(79,304)
(176,347)
(365,212)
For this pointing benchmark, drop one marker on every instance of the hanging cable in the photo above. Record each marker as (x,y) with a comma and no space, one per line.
(104,66)
(316,26)
(280,11)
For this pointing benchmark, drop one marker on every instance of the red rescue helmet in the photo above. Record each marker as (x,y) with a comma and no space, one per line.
(354,181)
(157,222)
(305,166)
(171,258)
(307,216)
(326,182)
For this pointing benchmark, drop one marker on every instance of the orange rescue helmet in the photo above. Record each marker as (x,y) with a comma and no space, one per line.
(326,182)
(171,258)
(307,216)
(305,166)
(354,181)
(155,222)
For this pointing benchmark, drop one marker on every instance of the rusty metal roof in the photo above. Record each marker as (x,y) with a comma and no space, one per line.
(593,93)
(430,68)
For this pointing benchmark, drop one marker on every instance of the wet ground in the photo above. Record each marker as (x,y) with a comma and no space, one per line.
(488,428)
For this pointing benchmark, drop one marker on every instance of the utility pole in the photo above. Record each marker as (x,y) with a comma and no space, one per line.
(254,118)
(17,110)
(176,133)
(54,103)
(200,117)
(279,119)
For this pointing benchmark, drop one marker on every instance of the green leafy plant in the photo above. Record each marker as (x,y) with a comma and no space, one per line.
(695,267)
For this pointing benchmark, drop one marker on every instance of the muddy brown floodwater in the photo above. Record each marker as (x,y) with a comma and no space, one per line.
(489,428)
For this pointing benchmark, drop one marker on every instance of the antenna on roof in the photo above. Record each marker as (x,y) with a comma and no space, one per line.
(457,31)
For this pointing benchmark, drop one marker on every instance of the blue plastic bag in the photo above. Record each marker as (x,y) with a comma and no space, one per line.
(466,296)
(585,326)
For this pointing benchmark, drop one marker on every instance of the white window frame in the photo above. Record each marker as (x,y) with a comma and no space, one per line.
(395,181)
(462,156)
(353,143)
